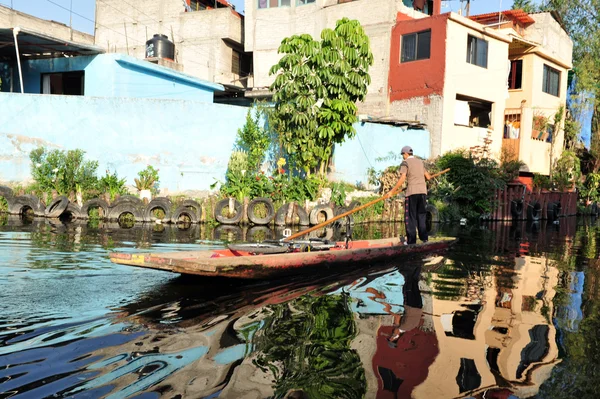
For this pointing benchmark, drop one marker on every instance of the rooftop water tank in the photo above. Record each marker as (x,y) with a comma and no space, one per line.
(160,47)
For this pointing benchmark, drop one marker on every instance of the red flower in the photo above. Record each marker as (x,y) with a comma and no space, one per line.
(257,178)
(281,171)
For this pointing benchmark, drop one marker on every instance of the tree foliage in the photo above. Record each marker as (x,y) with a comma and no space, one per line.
(254,140)
(525,5)
(316,89)
(65,172)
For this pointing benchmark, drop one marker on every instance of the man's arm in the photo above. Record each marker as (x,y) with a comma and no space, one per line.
(400,182)
(427,176)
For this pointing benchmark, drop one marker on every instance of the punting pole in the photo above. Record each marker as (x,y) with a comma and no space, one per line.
(358,208)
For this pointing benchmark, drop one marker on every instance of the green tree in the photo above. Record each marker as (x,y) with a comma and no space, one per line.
(316,89)
(253,139)
(581,19)
(63,171)
(525,5)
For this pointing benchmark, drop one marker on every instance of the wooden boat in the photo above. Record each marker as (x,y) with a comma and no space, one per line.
(245,260)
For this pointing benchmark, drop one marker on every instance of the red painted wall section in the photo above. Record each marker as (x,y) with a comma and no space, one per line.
(423,77)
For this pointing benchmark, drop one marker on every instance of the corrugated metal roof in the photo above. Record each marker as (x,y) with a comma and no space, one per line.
(38,45)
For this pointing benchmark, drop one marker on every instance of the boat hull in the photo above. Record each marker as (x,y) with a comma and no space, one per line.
(227,263)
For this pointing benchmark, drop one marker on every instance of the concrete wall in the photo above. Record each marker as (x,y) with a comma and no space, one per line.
(466,79)
(11,19)
(116,75)
(189,141)
(372,141)
(203,39)
(266,28)
(554,41)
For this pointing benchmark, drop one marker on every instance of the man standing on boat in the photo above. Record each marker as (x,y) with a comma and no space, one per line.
(412,170)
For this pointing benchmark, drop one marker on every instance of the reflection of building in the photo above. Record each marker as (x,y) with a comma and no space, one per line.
(503,339)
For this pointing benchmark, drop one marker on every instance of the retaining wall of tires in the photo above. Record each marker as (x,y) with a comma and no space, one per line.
(517,203)
(227,212)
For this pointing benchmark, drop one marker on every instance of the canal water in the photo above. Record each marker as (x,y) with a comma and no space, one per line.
(511,311)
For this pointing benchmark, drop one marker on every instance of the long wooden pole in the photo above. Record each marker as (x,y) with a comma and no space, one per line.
(358,208)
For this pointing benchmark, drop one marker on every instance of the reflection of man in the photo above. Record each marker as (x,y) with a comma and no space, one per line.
(413,304)
(412,170)
(404,351)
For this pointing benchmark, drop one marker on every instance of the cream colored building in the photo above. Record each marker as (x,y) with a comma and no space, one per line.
(208,41)
(540,56)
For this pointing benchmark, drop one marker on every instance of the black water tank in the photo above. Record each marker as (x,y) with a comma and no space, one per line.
(160,47)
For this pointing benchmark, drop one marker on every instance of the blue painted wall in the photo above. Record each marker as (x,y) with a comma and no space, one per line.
(118,75)
(580,106)
(189,141)
(353,158)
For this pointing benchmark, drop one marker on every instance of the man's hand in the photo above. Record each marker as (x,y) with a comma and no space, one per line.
(427,176)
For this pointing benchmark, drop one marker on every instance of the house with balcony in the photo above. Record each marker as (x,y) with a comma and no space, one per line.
(450,73)
(492,81)
(208,37)
(540,56)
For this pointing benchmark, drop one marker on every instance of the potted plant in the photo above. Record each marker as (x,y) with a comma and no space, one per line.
(147,183)
(540,126)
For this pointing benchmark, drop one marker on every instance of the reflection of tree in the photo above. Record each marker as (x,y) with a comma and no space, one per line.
(306,345)
(578,376)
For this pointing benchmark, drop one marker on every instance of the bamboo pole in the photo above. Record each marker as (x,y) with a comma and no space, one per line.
(359,208)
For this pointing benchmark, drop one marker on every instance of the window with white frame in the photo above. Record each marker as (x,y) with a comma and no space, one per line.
(303,2)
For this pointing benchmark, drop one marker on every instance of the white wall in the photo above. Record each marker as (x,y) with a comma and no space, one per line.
(463,78)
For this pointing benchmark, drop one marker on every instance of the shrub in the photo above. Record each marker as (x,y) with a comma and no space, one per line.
(111,184)
(473,181)
(63,171)
(148,179)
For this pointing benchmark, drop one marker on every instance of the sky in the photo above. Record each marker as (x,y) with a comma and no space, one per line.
(83,10)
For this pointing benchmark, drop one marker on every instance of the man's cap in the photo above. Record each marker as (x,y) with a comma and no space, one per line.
(406,150)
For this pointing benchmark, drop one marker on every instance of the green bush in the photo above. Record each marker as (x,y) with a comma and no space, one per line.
(253,140)
(63,171)
(148,179)
(111,184)
(473,181)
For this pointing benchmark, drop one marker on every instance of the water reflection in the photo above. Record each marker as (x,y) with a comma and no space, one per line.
(511,310)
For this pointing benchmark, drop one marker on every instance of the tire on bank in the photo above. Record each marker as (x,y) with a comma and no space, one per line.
(189,211)
(516,209)
(6,192)
(534,211)
(253,214)
(432,218)
(121,208)
(162,203)
(222,206)
(299,216)
(94,203)
(56,207)
(553,211)
(320,214)
(72,212)
(21,204)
